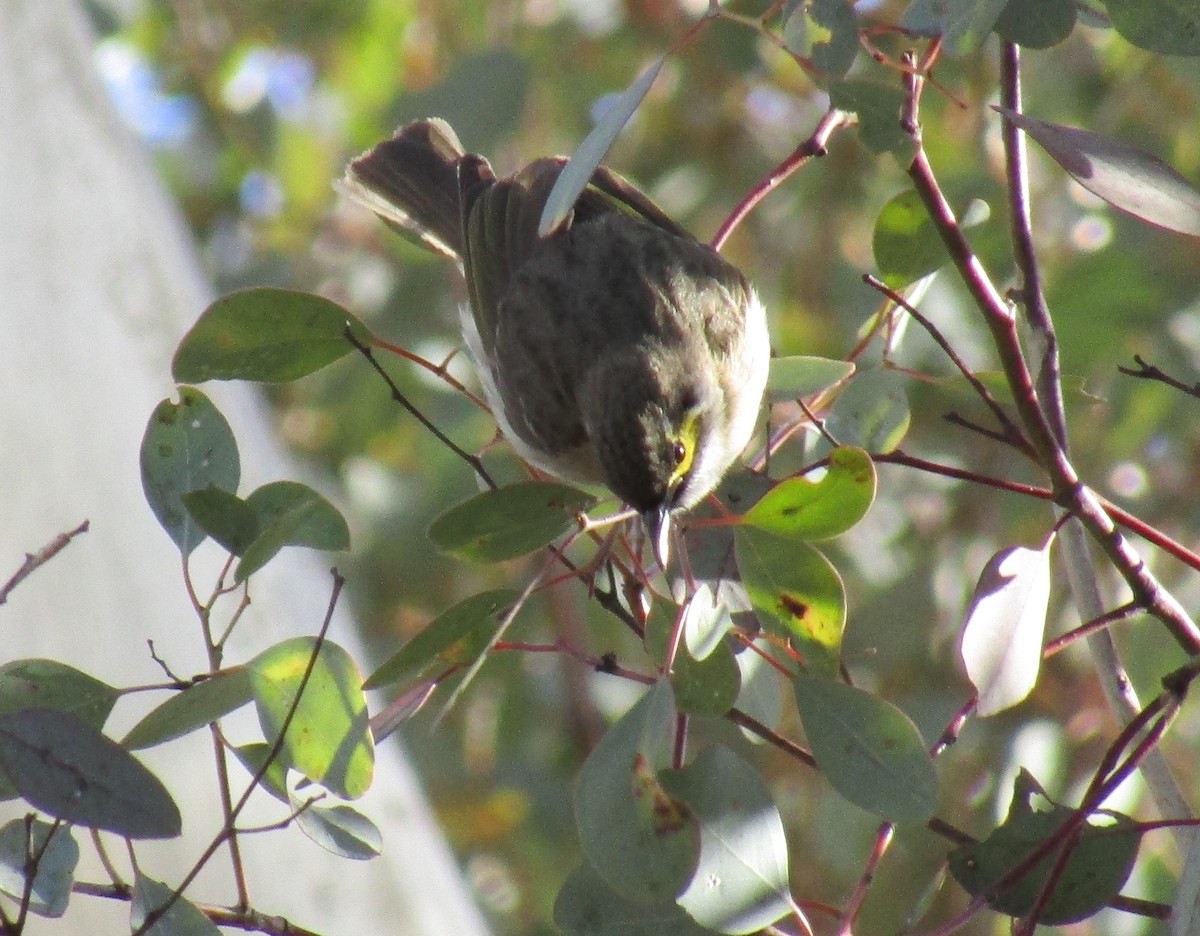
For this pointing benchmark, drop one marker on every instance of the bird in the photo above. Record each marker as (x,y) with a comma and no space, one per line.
(617,349)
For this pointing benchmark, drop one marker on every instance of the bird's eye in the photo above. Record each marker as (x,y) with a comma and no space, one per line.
(679,452)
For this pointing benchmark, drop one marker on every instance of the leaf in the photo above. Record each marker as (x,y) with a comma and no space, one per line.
(741,881)
(578,171)
(328,739)
(53,685)
(868,749)
(509,522)
(194,707)
(274,781)
(878,108)
(640,841)
(801,376)
(224,516)
(796,592)
(182,919)
(706,621)
(1101,861)
(1171,27)
(455,637)
(707,686)
(342,830)
(265,334)
(906,245)
(871,411)
(187,446)
(962,24)
(812,510)
(587,906)
(1126,177)
(57,854)
(288,513)
(1001,642)
(1036,24)
(67,769)
(826,33)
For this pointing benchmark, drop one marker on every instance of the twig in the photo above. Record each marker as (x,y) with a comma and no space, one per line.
(1150,372)
(399,397)
(34,561)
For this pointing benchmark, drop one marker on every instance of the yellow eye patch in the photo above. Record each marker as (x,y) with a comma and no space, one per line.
(685,444)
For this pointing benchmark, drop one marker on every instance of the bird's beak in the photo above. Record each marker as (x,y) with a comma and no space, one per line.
(657,525)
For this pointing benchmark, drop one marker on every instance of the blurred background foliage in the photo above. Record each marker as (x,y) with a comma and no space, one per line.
(252,108)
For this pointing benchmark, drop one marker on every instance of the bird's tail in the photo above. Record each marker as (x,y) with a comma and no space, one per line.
(411,182)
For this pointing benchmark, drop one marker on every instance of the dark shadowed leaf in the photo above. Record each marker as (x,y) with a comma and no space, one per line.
(274,781)
(587,906)
(53,685)
(328,739)
(69,770)
(578,172)
(222,515)
(56,853)
(193,708)
(265,334)
(1036,24)
(1168,26)
(825,32)
(878,108)
(867,748)
(509,522)
(1124,176)
(1100,862)
(188,446)
(741,881)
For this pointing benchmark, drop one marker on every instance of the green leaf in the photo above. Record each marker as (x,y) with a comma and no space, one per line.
(328,739)
(638,838)
(288,513)
(182,919)
(1036,24)
(1171,27)
(265,334)
(878,108)
(587,906)
(811,510)
(868,749)
(962,24)
(454,638)
(509,522)
(577,173)
(53,685)
(274,781)
(67,769)
(826,33)
(741,881)
(187,446)
(342,830)
(1126,177)
(907,246)
(759,695)
(871,412)
(57,854)
(1102,858)
(708,686)
(194,707)
(224,516)
(796,592)
(801,376)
